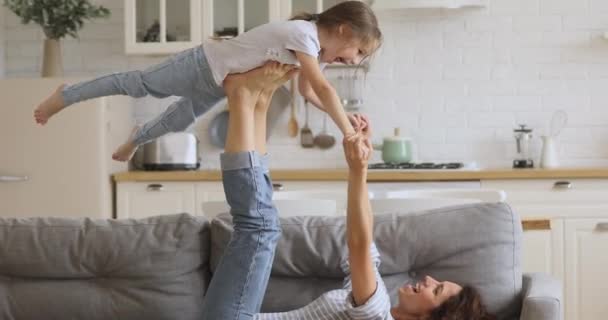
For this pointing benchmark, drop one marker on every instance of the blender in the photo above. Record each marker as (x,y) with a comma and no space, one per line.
(523,137)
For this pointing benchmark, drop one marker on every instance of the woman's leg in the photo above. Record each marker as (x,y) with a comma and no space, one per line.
(179,75)
(240,279)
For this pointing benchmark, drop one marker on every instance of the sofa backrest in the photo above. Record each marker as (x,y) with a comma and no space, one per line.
(57,268)
(477,244)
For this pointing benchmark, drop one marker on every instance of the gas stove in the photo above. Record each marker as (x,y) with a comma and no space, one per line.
(417,166)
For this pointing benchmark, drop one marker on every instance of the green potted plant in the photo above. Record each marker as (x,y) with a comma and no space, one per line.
(58,19)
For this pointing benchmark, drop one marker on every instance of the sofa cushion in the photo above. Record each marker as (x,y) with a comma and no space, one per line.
(477,244)
(57,268)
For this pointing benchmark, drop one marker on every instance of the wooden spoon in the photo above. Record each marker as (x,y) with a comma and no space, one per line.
(293,123)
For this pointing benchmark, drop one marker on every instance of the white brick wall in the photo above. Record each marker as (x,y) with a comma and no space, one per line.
(456,81)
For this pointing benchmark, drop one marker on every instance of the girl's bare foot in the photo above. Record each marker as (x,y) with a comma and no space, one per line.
(126,150)
(51,105)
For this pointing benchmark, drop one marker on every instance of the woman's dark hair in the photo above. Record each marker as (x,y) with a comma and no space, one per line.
(466,305)
(356,14)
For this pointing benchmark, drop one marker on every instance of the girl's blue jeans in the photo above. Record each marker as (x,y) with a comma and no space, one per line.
(186,74)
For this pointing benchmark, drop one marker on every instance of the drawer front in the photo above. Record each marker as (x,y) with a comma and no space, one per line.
(140,199)
(283,190)
(586,192)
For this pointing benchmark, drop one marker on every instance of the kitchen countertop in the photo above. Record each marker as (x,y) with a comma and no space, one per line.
(376,175)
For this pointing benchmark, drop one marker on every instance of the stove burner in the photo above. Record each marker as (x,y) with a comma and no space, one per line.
(415,166)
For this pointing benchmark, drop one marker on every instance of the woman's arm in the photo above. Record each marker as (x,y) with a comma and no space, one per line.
(328,97)
(359,220)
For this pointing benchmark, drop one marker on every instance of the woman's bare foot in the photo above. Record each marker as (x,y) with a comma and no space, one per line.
(51,105)
(126,150)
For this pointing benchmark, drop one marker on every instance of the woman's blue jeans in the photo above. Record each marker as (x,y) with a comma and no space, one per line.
(239,282)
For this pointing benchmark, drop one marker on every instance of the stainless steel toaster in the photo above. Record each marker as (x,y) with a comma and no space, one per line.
(173,151)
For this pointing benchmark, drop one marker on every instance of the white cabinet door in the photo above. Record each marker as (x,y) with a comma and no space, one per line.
(543,250)
(283,190)
(139,199)
(586,264)
(233,17)
(63,168)
(208,191)
(555,197)
(289,8)
(163,26)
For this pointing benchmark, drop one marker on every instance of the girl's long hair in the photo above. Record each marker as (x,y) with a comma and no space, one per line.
(355,14)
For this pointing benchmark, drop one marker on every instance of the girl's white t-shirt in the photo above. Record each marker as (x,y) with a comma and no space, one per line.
(272,41)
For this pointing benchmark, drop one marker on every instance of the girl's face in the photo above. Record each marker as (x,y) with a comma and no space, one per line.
(342,47)
(425,296)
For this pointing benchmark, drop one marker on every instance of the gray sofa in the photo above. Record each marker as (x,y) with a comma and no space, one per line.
(159,267)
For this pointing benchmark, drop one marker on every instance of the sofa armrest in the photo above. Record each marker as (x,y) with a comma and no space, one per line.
(542,297)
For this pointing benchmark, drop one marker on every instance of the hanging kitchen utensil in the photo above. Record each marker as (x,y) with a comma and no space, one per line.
(218,128)
(558,122)
(293,123)
(306,135)
(356,92)
(324,139)
(280,101)
(343,90)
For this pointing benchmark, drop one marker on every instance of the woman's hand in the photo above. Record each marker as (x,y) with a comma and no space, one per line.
(357,151)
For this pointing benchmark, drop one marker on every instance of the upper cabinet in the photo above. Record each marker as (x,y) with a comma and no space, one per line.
(158,27)
(233,17)
(162,26)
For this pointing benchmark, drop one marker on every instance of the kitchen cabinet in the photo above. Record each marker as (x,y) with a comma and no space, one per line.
(207,191)
(233,17)
(586,262)
(543,249)
(138,200)
(283,190)
(142,199)
(164,26)
(575,249)
(61,169)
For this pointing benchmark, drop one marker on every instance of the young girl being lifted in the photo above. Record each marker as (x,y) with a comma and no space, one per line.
(345,33)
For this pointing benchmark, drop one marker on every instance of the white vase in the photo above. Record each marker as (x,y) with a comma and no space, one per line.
(52,64)
(548,157)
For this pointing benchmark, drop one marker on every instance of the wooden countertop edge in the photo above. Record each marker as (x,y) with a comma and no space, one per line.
(374,176)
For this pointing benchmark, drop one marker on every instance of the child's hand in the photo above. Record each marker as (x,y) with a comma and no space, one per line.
(360,123)
(357,151)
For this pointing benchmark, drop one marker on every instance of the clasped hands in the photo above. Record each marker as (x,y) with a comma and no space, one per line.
(358,147)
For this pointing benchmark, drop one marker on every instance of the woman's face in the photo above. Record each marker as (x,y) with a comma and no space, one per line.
(425,296)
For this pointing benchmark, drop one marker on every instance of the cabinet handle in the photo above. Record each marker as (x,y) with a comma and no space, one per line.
(13,178)
(602,226)
(562,185)
(277,187)
(155,187)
